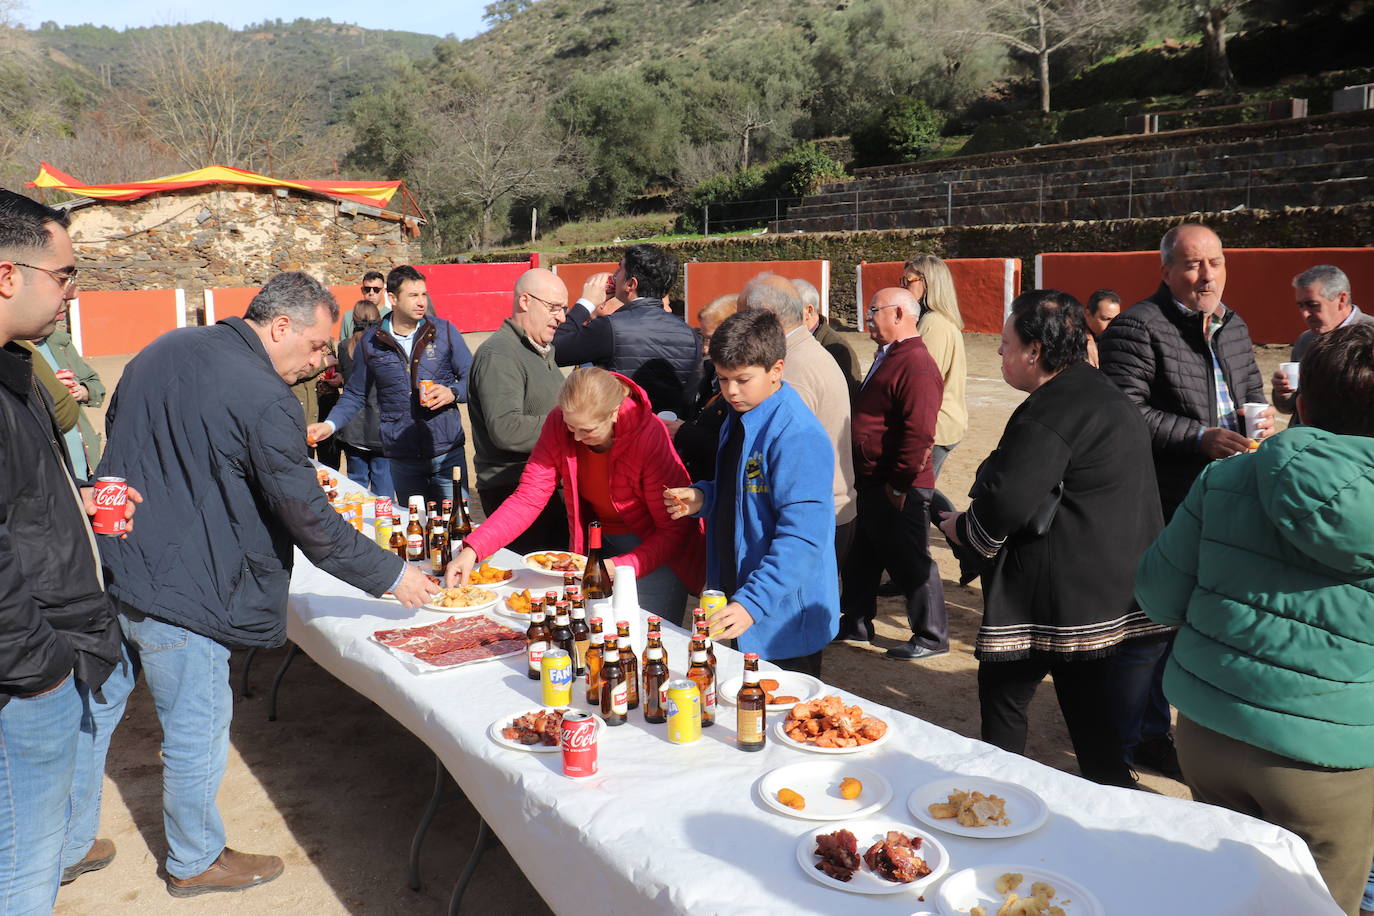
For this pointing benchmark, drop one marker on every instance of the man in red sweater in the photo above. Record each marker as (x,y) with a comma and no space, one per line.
(894,429)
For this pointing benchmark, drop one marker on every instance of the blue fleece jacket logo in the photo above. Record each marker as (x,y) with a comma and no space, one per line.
(753,474)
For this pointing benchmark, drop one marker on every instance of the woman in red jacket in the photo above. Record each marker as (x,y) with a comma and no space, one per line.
(613,457)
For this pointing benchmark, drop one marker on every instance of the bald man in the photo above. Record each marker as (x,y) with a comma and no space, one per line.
(894,433)
(514,385)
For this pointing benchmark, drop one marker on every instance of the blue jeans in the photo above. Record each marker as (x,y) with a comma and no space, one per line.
(1137,684)
(660,591)
(1368,902)
(369,469)
(37,762)
(188,675)
(431,478)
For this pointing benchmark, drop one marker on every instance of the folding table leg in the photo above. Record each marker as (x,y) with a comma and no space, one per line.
(479,846)
(276,681)
(435,799)
(247,666)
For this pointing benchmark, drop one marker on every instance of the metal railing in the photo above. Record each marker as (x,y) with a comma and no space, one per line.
(744,214)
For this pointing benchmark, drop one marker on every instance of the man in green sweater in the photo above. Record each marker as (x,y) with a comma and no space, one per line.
(513,386)
(1268,572)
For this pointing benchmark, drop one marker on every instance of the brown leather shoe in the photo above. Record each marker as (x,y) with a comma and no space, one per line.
(232,871)
(101,853)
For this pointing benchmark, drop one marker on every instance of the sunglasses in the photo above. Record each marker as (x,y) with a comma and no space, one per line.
(372,289)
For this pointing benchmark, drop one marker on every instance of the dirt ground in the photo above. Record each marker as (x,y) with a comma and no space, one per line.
(336,787)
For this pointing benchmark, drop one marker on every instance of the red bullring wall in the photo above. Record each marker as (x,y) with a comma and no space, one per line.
(985,287)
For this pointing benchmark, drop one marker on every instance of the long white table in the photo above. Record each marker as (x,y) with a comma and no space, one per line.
(667,828)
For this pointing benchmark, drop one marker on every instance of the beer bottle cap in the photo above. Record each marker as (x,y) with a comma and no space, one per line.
(751,656)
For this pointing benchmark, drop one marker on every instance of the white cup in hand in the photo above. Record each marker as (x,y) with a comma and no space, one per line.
(1290,372)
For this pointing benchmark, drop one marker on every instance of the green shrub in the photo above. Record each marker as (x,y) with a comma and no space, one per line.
(903,131)
(1018,131)
(747,197)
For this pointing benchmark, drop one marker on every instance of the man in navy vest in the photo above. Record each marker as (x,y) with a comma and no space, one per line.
(640,339)
(419,366)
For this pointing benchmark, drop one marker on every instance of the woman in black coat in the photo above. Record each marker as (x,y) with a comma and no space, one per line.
(1061,513)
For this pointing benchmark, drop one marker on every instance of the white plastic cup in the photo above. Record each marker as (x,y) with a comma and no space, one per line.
(625,603)
(1254,412)
(667,416)
(1290,371)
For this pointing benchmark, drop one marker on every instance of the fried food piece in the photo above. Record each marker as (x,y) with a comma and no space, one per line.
(1009,882)
(520,602)
(488,575)
(780,701)
(851,787)
(768,685)
(972,809)
(839,852)
(978,911)
(894,858)
(1042,890)
(791,799)
(463,596)
(827,722)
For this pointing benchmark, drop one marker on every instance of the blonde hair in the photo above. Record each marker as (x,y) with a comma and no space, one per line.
(718,309)
(940,295)
(591,392)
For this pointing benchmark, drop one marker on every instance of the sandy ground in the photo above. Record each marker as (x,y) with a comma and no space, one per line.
(336,787)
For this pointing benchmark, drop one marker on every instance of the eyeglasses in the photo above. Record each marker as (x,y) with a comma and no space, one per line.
(66,278)
(871,312)
(549,305)
(372,289)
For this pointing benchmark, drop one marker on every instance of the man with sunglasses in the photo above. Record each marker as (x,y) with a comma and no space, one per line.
(374,291)
(514,384)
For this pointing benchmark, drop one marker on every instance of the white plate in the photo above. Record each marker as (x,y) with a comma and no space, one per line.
(534,567)
(790,684)
(781,736)
(867,833)
(1026,810)
(494,732)
(818,781)
(964,890)
(465,611)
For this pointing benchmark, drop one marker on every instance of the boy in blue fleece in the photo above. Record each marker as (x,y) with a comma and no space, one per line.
(770,510)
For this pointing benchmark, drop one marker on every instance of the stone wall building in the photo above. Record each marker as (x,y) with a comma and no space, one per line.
(233,236)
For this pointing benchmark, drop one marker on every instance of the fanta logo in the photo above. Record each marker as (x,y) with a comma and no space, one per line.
(560,677)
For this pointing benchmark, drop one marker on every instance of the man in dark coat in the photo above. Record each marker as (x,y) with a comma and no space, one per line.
(640,339)
(1186,361)
(58,636)
(203,420)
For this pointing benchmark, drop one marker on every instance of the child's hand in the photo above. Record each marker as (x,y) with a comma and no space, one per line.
(730,621)
(680,501)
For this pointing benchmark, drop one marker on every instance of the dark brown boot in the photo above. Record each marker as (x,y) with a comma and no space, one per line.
(232,871)
(101,853)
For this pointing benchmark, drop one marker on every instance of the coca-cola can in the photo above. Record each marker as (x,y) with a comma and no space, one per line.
(383,508)
(577,738)
(111,493)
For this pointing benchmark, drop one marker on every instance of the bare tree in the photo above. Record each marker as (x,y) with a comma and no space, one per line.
(1042,28)
(213,100)
(487,148)
(1211,18)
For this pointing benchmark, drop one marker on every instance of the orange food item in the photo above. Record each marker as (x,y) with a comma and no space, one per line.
(827,722)
(488,575)
(791,799)
(520,602)
(768,684)
(851,787)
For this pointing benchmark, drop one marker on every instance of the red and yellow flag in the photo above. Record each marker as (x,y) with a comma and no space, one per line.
(369,193)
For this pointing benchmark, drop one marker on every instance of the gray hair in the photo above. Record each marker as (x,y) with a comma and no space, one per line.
(766,292)
(1166,244)
(293,294)
(809,294)
(1331,280)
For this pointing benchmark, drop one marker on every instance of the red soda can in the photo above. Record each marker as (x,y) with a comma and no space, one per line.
(578,740)
(383,509)
(111,493)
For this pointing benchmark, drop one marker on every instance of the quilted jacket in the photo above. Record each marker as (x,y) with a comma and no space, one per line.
(1268,569)
(1157,356)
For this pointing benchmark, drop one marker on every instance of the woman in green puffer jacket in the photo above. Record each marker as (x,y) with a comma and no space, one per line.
(1268,570)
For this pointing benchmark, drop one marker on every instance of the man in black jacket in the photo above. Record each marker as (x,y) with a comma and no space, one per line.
(203,420)
(58,636)
(640,339)
(1187,363)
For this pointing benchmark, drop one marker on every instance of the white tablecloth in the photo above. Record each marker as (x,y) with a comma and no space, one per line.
(665,828)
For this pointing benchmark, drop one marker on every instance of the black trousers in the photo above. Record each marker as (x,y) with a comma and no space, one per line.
(803,664)
(549,531)
(898,541)
(1085,698)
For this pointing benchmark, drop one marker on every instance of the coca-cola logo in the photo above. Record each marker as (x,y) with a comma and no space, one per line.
(580,736)
(111,497)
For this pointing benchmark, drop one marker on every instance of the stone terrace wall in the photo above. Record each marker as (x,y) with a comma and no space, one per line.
(229,237)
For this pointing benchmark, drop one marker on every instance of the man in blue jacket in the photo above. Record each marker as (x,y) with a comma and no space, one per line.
(771,529)
(203,421)
(419,368)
